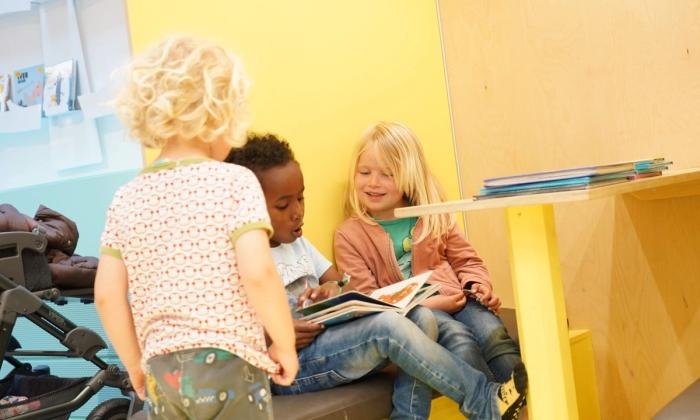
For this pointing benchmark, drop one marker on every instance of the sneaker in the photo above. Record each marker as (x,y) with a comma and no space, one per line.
(511,394)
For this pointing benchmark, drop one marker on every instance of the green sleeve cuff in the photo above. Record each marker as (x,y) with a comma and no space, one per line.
(251,226)
(111,251)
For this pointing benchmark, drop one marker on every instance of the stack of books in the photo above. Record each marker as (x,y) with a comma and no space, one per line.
(571,179)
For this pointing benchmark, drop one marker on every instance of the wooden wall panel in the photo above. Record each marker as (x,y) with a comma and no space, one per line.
(539,85)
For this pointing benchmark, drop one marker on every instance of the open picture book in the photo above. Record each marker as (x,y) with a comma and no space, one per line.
(399,297)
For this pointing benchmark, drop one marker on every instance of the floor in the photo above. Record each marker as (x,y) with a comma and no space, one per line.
(685,407)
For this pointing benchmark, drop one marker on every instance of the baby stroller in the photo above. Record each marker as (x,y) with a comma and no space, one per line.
(33,393)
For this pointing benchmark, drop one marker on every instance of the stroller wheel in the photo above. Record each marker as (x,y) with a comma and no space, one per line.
(114,409)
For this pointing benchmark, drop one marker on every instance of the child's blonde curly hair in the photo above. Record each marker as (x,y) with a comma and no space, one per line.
(186,89)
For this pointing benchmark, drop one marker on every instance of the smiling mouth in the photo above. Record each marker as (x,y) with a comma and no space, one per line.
(374,196)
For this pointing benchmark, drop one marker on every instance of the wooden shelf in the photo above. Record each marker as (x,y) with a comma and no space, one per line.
(671,184)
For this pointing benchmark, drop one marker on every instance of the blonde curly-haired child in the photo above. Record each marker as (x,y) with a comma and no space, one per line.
(186,285)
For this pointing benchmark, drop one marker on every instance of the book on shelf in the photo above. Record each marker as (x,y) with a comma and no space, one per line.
(648,165)
(59,88)
(28,85)
(640,175)
(399,297)
(551,189)
(4,91)
(567,182)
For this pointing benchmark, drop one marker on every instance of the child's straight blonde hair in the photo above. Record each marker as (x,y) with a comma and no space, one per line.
(401,152)
(187,89)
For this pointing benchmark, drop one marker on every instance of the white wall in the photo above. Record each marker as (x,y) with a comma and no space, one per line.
(69,146)
(29,161)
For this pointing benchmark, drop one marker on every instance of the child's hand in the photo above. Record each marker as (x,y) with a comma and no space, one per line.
(446,303)
(138,380)
(288,362)
(306,332)
(315,294)
(486,297)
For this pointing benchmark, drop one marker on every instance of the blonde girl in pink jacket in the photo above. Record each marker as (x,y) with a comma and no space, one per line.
(389,170)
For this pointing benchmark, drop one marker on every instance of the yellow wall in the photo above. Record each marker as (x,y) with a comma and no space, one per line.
(545,84)
(322,72)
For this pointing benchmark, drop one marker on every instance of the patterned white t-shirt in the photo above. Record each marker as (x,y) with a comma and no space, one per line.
(300,265)
(174,227)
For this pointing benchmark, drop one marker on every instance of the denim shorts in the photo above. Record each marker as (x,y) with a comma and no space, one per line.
(206,383)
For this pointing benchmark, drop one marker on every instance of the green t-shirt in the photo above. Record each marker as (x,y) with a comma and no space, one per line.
(401,233)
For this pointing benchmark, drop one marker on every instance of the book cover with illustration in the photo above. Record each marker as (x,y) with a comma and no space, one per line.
(4,91)
(28,85)
(399,297)
(59,88)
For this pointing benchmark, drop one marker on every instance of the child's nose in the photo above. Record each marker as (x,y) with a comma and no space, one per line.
(298,212)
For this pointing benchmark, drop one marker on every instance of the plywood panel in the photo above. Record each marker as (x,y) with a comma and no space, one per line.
(539,85)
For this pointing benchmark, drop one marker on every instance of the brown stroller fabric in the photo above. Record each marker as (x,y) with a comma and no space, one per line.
(61,232)
(68,270)
(71,272)
(12,220)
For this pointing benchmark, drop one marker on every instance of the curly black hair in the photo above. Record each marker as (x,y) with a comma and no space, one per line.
(261,152)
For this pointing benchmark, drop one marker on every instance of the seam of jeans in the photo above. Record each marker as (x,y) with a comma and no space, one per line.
(313,377)
(413,395)
(494,391)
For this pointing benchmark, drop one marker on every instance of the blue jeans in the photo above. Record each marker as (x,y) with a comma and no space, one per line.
(349,351)
(477,336)
(411,398)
